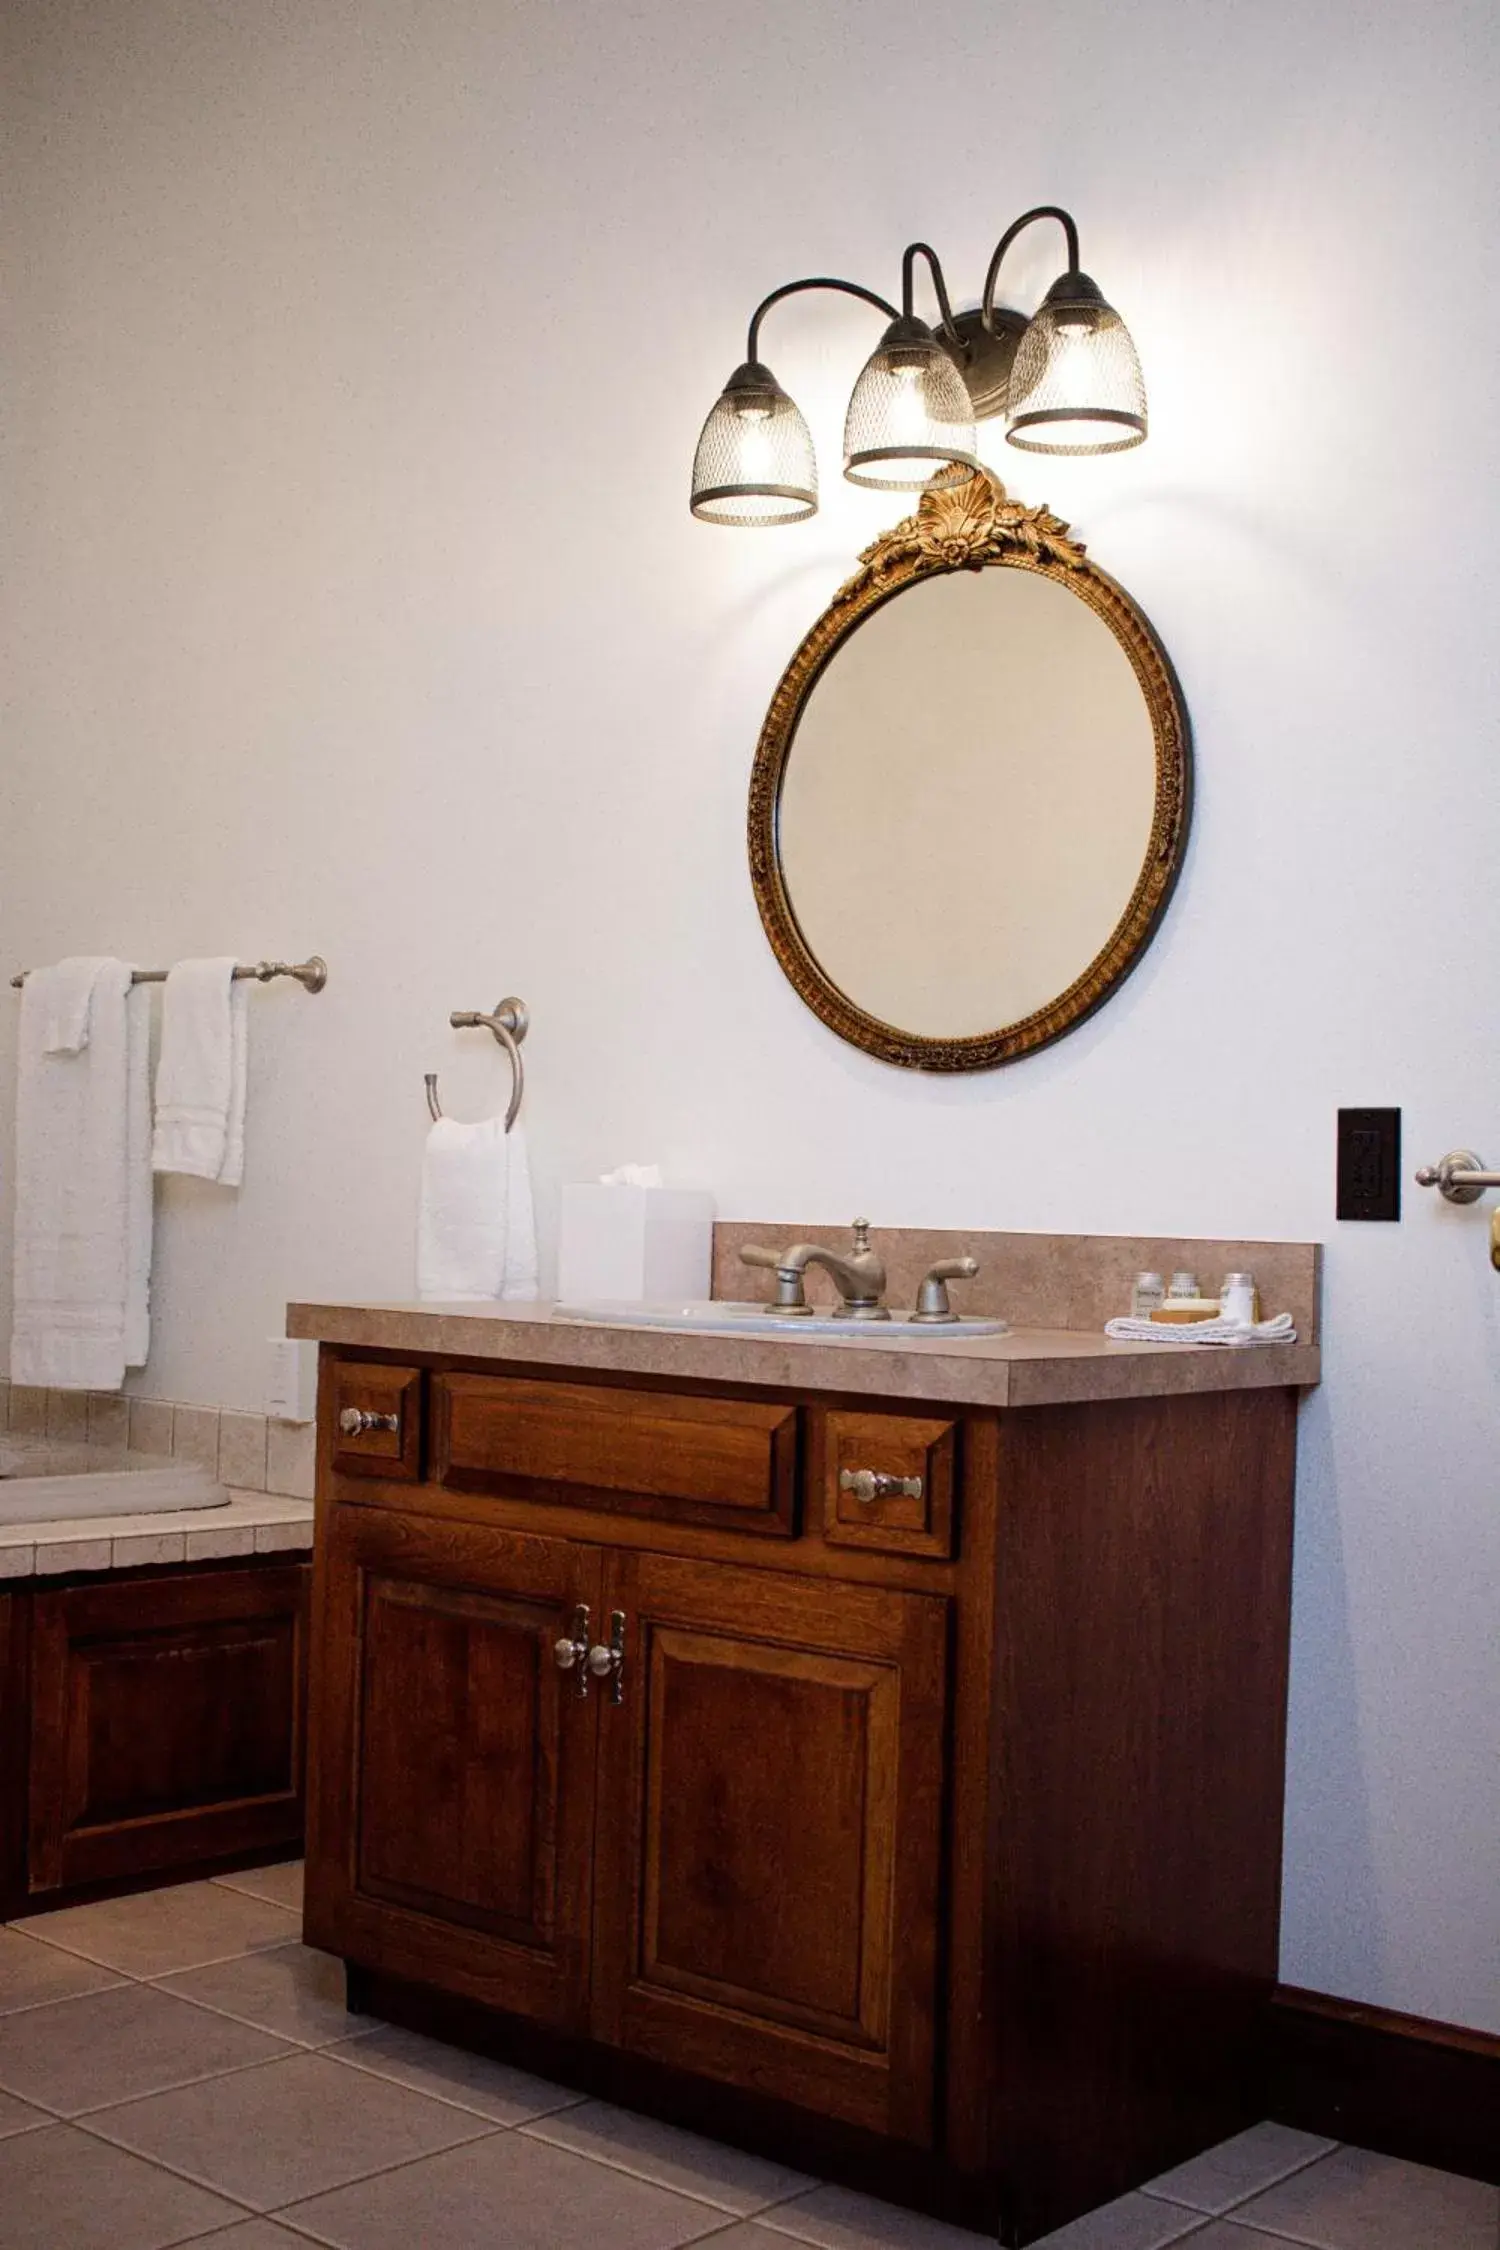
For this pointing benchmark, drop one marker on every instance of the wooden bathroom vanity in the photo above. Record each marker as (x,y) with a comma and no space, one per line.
(930,1841)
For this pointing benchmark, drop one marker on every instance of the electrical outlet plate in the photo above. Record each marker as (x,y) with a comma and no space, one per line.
(291,1379)
(1369,1164)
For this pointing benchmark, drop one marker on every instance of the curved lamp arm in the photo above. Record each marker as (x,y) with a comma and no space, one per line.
(1042,211)
(915,250)
(792,289)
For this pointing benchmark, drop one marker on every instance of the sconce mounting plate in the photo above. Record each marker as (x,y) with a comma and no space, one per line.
(984,359)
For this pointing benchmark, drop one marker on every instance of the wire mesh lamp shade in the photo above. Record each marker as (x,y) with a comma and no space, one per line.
(910,425)
(1075,382)
(755,462)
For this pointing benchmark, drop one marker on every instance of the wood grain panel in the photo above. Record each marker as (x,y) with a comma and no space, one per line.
(769,1837)
(1144,1579)
(15,1701)
(672,1455)
(166,1722)
(898,1445)
(395,1455)
(451,1829)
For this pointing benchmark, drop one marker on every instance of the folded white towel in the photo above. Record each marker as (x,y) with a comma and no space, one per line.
(201,1074)
(83,1181)
(67,992)
(476,1227)
(1278,1330)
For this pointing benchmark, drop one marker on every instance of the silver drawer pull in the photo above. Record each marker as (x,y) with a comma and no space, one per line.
(571,1653)
(355,1420)
(609,1663)
(874,1484)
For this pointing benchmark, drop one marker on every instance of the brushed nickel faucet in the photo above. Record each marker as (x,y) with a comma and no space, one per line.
(858,1277)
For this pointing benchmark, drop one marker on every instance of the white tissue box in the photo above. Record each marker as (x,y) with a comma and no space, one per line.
(640,1244)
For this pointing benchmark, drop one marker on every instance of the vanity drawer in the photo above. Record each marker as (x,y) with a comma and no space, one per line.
(377,1421)
(858,1449)
(650,1453)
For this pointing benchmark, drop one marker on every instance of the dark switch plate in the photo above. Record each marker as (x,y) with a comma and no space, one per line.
(1369,1164)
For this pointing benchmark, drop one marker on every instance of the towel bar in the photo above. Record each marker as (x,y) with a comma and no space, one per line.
(509,1022)
(1460,1176)
(311,974)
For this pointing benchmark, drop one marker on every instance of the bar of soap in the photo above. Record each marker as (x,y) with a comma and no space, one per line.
(1178,1310)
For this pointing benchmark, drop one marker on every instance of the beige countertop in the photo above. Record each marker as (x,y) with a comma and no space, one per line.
(1026,1367)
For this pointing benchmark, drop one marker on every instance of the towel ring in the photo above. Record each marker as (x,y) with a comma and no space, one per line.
(509,1023)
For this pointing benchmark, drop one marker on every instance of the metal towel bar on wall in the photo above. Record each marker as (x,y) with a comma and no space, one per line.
(1460,1177)
(509,1022)
(312,974)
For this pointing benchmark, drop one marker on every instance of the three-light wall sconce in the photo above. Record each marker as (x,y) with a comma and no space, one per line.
(1067,381)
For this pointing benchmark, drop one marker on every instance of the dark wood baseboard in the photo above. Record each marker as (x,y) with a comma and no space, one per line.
(1429,2092)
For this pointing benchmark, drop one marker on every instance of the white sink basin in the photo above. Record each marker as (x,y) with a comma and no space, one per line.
(728,1314)
(48,1483)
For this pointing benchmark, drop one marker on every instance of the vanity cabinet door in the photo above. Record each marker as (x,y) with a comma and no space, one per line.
(451,1832)
(768,1840)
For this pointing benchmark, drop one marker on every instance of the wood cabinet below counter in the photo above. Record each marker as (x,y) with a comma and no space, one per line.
(893,1789)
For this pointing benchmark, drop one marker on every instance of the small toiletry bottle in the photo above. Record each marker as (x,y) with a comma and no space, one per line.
(1183,1285)
(1238,1300)
(1146,1293)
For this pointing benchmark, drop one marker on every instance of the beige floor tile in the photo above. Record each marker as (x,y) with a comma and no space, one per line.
(838,2219)
(491,2089)
(156,1932)
(19,2117)
(294,1991)
(63,2190)
(32,1973)
(506,2190)
(282,1884)
(1135,2222)
(1354,2200)
(1251,2161)
(729,2177)
(112,2046)
(1227,2234)
(286,2130)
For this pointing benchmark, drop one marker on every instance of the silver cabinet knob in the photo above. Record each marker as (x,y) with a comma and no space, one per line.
(608,1663)
(571,1653)
(355,1420)
(875,1484)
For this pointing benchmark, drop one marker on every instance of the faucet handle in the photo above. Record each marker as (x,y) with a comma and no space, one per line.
(789,1296)
(932,1298)
(861,1236)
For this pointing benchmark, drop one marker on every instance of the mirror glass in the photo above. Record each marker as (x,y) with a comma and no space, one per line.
(968,801)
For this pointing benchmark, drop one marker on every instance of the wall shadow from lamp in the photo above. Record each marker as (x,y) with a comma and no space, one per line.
(1066,381)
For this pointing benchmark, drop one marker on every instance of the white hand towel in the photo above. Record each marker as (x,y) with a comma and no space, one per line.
(83,1182)
(201,1074)
(476,1228)
(68,992)
(1133,1331)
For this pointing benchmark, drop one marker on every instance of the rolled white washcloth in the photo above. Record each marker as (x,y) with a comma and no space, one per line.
(1131,1331)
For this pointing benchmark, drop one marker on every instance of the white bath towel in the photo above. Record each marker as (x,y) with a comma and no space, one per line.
(1278,1330)
(83,1180)
(476,1227)
(201,1073)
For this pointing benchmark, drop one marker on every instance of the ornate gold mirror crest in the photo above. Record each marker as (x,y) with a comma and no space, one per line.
(971,806)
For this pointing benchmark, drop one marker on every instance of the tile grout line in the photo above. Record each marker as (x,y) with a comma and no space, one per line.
(649,2179)
(150,1976)
(272,2211)
(1264,2187)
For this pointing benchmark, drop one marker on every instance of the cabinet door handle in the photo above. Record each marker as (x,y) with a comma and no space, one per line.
(355,1420)
(609,1663)
(875,1484)
(573,1654)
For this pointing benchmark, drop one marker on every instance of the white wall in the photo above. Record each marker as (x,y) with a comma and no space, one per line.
(352,603)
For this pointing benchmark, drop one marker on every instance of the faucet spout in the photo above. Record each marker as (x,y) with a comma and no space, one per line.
(859,1276)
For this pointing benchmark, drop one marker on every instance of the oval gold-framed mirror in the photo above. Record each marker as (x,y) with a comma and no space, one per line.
(971,793)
